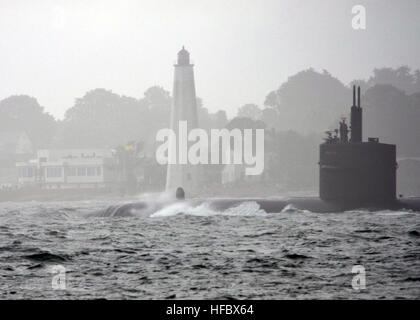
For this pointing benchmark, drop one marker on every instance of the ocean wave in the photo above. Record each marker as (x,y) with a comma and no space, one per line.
(390,213)
(46,256)
(290,208)
(248,208)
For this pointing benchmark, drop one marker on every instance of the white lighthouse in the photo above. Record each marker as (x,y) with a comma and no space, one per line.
(184,108)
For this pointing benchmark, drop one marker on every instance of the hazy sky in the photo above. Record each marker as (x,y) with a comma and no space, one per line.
(242,49)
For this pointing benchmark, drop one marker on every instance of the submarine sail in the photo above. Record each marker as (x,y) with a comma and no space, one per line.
(354,171)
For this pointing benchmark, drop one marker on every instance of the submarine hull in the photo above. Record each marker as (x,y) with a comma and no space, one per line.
(312,204)
(357,172)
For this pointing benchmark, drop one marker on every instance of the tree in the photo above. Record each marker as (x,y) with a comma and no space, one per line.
(309,101)
(220,119)
(23,113)
(243,123)
(157,97)
(270,117)
(394,117)
(249,110)
(402,78)
(101,118)
(291,159)
(157,102)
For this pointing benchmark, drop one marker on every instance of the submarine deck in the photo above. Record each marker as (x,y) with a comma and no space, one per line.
(273,205)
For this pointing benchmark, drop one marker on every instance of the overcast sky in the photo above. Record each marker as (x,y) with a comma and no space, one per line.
(242,49)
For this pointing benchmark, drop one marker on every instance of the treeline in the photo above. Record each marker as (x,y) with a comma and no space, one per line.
(99,119)
(296,114)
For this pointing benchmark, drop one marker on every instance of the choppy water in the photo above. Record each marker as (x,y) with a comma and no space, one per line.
(241,253)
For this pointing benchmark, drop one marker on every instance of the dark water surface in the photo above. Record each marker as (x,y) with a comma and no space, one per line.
(242,253)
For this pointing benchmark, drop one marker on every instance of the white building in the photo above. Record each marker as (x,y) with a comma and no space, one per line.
(68,168)
(14,146)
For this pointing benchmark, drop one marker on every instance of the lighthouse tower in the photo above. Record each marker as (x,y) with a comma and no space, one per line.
(184,108)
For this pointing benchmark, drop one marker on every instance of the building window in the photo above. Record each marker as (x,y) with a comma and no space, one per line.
(99,171)
(54,172)
(81,171)
(26,172)
(71,171)
(91,171)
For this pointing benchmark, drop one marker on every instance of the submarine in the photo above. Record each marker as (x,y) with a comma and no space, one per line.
(353,175)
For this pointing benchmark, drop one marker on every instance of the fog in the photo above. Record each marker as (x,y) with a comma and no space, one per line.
(58,50)
(85,87)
